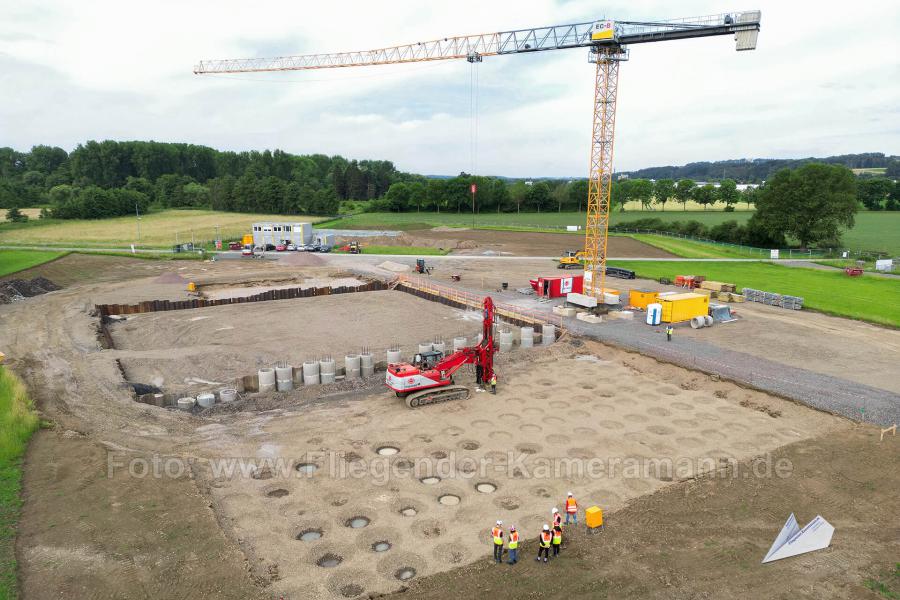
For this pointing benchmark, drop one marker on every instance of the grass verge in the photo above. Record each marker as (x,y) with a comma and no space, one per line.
(17,422)
(867,298)
(13,261)
(692,249)
(403,250)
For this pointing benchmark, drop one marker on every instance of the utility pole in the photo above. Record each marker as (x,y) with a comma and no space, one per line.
(473,188)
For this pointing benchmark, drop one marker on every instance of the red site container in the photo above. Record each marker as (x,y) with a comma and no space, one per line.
(557,286)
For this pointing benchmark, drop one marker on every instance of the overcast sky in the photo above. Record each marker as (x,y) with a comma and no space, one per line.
(824,80)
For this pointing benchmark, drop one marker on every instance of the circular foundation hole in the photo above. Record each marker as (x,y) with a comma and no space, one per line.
(449,499)
(309,535)
(408,511)
(330,560)
(404,573)
(438,455)
(351,590)
(264,473)
(307,468)
(357,522)
(277,493)
(382,546)
(430,480)
(485,487)
(470,445)
(387,450)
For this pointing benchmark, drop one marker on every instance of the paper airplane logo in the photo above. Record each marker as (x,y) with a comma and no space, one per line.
(792,540)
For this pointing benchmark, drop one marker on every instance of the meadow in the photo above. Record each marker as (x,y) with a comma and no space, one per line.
(157,229)
(868,298)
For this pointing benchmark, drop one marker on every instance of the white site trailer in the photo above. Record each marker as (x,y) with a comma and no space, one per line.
(275,233)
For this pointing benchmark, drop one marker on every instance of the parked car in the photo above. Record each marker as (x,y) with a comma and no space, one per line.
(325,249)
(270,247)
(235,246)
(280,248)
(259,248)
(311,248)
(291,247)
(247,250)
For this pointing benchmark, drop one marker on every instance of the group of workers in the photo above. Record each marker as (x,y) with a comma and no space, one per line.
(549,537)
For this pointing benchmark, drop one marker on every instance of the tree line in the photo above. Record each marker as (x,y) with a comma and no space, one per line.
(761,169)
(109,178)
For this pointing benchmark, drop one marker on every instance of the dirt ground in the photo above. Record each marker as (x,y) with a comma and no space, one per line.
(706,538)
(533,442)
(518,243)
(222,343)
(205,532)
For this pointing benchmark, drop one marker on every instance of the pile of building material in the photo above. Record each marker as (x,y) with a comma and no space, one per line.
(772,299)
(389,265)
(717,286)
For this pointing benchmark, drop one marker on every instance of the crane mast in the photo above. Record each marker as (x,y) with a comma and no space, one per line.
(607,41)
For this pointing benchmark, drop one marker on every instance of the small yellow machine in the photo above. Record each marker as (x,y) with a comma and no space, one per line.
(572,260)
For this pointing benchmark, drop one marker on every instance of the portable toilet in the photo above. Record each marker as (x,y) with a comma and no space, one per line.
(654,313)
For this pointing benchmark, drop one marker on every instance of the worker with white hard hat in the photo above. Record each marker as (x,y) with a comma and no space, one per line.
(571,508)
(544,543)
(557,518)
(497,535)
(513,545)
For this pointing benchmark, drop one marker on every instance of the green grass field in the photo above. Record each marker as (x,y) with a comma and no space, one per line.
(13,261)
(692,249)
(17,422)
(867,298)
(158,229)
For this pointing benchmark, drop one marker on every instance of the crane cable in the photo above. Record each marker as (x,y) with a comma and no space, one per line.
(473,116)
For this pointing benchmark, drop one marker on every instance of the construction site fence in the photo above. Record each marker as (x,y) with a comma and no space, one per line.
(281,294)
(450,296)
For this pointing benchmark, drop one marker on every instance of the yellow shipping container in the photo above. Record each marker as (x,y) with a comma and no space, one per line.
(683,307)
(641,298)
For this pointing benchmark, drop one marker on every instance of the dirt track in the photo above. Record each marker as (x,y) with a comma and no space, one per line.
(82,531)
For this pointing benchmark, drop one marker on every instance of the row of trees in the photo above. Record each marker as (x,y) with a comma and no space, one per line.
(186,175)
(810,205)
(761,169)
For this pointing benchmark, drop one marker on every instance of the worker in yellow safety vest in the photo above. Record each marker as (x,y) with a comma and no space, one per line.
(544,541)
(497,535)
(493,383)
(557,518)
(557,540)
(669,331)
(513,545)
(571,508)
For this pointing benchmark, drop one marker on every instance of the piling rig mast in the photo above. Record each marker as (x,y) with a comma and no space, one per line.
(607,41)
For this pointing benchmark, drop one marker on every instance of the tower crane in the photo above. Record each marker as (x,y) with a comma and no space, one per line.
(607,41)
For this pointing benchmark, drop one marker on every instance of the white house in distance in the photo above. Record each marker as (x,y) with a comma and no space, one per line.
(275,233)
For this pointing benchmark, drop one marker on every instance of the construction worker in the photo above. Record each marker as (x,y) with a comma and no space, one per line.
(669,331)
(493,383)
(513,545)
(557,518)
(571,508)
(544,541)
(557,540)
(497,535)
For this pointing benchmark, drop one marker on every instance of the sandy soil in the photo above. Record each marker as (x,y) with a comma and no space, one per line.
(706,538)
(209,535)
(226,342)
(529,441)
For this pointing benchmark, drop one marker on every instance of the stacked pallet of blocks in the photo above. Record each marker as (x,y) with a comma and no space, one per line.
(772,299)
